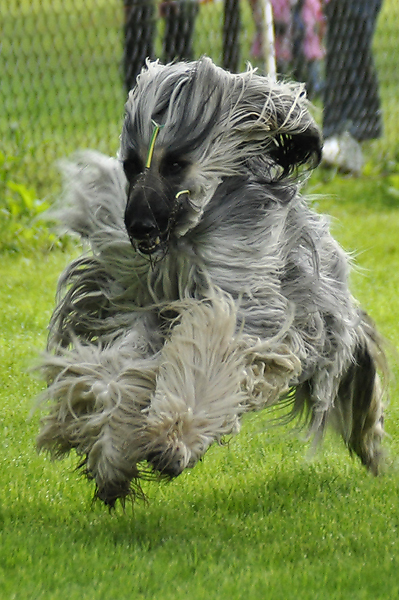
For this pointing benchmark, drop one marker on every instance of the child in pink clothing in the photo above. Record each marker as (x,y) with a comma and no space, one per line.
(299,29)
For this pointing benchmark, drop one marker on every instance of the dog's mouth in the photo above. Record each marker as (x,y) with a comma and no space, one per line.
(149,245)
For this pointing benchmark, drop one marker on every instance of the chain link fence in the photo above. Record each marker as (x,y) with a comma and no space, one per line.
(65,66)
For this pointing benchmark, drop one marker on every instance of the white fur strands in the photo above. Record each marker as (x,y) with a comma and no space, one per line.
(210,289)
(198,398)
(98,395)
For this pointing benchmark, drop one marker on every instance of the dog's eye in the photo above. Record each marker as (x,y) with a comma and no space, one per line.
(172,166)
(132,166)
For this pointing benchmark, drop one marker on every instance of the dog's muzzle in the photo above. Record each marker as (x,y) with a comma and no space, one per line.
(153,209)
(147,215)
(150,213)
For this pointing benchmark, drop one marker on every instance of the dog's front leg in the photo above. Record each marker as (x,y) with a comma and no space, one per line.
(96,399)
(198,397)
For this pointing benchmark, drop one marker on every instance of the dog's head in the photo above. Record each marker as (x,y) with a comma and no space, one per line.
(189,126)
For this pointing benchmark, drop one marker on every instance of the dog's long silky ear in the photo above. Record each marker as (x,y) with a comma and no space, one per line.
(292,150)
(279,112)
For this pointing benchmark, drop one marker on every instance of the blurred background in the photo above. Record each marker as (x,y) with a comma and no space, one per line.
(66,65)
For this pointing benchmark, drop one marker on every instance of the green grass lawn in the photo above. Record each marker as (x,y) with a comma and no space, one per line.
(263,517)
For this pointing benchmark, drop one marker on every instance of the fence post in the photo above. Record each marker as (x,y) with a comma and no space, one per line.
(139,35)
(231,34)
(269,53)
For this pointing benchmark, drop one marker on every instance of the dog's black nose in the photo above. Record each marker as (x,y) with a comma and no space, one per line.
(142,228)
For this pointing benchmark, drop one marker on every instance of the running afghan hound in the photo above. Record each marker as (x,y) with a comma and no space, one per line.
(209,288)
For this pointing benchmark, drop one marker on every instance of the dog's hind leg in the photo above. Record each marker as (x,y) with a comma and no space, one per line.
(349,396)
(358,413)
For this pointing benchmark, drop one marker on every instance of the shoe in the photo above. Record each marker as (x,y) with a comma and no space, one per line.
(343,152)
